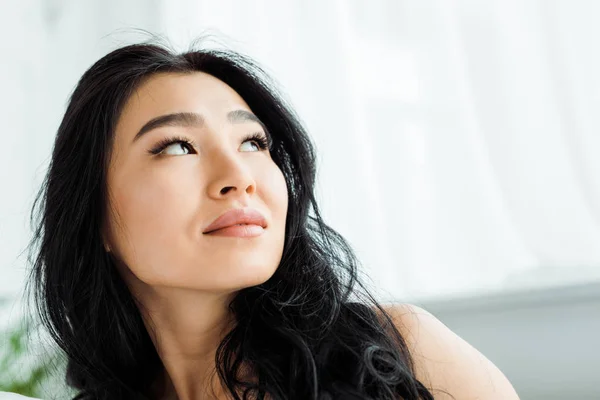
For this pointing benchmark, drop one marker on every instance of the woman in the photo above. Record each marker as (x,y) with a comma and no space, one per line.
(182,254)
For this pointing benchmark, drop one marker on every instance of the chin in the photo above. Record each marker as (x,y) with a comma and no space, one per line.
(253,276)
(238,277)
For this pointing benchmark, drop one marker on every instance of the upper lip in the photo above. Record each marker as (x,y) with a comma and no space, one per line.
(237,216)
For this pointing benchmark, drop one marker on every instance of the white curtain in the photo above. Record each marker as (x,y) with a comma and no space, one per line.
(458,140)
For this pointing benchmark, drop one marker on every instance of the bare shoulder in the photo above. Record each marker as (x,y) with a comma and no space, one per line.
(444,362)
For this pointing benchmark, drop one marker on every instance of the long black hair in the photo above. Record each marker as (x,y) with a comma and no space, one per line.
(312,331)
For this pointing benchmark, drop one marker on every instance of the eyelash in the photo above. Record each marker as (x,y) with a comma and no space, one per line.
(260,139)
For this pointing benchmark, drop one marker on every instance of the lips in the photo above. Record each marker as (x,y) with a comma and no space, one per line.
(237,216)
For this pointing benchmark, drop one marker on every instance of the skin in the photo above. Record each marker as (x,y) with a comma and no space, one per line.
(444,362)
(183,279)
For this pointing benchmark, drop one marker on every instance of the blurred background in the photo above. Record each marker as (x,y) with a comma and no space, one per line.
(458,145)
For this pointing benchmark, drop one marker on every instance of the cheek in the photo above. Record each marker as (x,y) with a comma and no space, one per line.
(153,207)
(278,193)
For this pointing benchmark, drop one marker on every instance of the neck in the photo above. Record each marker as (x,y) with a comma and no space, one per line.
(186,328)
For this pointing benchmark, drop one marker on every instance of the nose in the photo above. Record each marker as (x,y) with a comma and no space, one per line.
(232,177)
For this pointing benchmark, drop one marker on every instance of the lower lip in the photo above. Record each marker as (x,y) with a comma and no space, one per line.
(239,231)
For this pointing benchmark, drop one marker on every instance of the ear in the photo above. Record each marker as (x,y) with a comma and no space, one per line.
(105,243)
(104,236)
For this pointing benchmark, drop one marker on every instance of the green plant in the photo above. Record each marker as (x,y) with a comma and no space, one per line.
(26,367)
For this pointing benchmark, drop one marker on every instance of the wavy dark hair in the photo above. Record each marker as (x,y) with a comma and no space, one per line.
(312,331)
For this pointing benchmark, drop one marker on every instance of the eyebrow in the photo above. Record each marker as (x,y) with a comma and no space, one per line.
(192,119)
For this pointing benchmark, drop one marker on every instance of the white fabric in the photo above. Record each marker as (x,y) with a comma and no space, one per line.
(457,140)
(14,396)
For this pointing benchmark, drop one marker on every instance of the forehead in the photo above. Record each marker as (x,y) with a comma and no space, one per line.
(165,93)
(182,87)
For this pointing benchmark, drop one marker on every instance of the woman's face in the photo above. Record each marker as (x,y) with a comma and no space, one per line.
(164,201)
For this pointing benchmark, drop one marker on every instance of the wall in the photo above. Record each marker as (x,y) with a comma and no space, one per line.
(547,342)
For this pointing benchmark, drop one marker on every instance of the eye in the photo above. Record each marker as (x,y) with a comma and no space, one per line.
(261,142)
(181,142)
